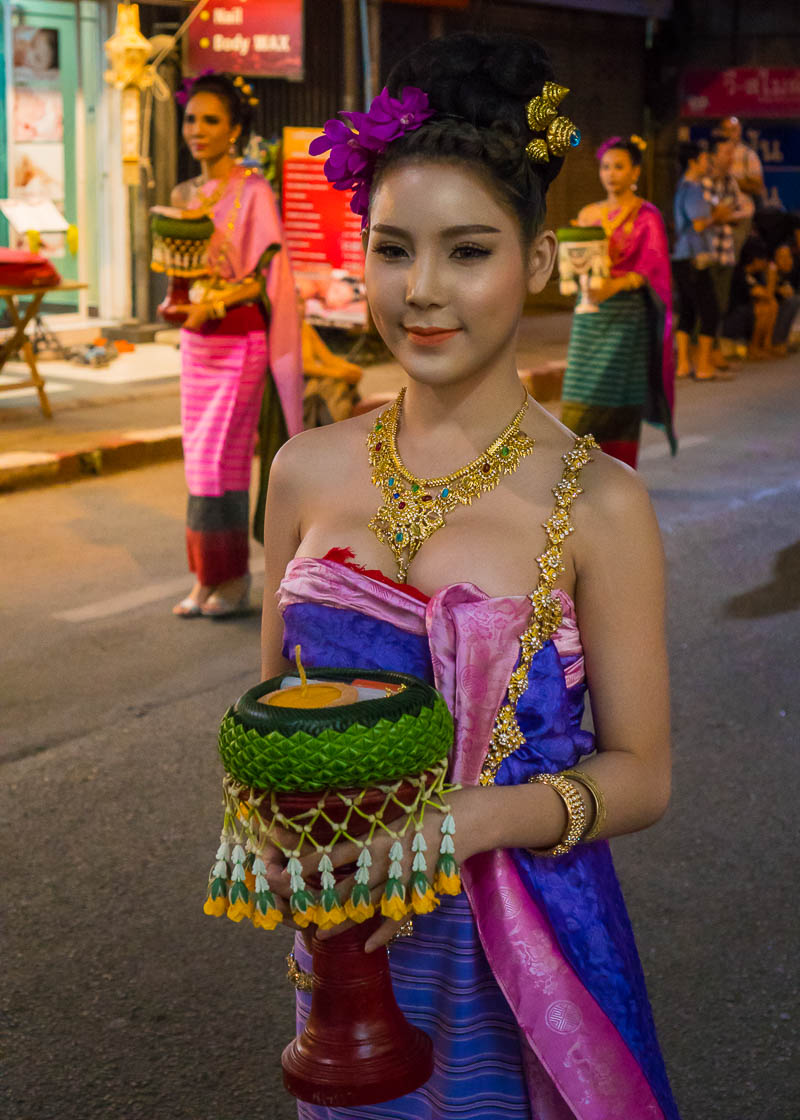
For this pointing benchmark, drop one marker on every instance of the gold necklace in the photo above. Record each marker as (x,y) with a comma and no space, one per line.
(414,508)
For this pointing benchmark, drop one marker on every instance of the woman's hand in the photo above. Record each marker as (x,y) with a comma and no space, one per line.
(629,282)
(468,807)
(196,314)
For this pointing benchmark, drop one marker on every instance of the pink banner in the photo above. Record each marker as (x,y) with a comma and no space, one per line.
(259,38)
(745,91)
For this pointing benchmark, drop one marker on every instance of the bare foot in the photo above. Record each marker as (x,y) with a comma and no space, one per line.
(681,372)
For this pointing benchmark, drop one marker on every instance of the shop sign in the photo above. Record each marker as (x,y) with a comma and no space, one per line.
(323,236)
(745,91)
(257,38)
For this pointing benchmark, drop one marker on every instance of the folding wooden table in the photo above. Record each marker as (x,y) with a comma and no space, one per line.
(20,316)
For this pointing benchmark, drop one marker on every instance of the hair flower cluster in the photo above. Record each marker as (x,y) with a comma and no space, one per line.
(354,148)
(183,94)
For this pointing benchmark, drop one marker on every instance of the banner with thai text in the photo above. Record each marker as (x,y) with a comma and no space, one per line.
(744,91)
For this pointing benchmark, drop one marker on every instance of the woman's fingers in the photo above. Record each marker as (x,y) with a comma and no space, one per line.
(383,934)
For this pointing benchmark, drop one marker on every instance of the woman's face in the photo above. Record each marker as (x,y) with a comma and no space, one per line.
(618,174)
(207,127)
(446,272)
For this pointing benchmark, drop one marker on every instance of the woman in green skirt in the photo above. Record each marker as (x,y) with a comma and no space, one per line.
(620,366)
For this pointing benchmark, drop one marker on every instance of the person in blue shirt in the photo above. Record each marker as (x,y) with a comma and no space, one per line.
(697,301)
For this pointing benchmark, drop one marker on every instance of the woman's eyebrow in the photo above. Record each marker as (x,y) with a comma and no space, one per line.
(451,231)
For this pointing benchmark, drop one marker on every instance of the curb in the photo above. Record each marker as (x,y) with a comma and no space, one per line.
(36,468)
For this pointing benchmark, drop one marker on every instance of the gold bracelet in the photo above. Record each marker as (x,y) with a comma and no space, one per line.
(599,819)
(220,310)
(303,981)
(576,814)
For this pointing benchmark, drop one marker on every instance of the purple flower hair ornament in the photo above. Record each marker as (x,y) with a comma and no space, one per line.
(183,94)
(354,148)
(607,145)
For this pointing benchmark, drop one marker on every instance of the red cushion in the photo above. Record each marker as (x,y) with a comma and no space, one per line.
(21,269)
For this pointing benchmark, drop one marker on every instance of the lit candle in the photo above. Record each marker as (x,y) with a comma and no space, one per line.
(311,694)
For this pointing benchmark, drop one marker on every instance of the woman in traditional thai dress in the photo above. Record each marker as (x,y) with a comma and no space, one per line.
(241,337)
(620,365)
(529,982)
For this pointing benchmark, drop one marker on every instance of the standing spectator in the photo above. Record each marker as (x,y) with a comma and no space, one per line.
(748,172)
(787,293)
(722,190)
(746,165)
(754,308)
(691,258)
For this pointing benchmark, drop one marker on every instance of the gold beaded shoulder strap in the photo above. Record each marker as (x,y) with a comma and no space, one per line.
(546,617)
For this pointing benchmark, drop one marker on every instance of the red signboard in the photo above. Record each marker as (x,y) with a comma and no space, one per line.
(258,38)
(745,91)
(323,235)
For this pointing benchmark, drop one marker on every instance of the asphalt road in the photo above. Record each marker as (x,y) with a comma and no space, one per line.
(122,1001)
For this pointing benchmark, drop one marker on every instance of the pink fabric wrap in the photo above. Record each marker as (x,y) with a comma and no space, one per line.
(235,256)
(645,249)
(574,1047)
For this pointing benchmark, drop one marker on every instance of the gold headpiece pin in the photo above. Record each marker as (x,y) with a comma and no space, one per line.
(560,133)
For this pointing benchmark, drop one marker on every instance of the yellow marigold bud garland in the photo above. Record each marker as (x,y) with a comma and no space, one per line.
(446,879)
(238,886)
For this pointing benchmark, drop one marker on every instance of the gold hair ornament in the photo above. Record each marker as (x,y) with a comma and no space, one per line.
(542,114)
(638,142)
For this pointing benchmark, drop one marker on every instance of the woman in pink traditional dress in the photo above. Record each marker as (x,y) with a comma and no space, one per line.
(620,366)
(529,983)
(240,338)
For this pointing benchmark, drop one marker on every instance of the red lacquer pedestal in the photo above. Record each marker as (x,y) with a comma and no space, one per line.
(177,294)
(357,1048)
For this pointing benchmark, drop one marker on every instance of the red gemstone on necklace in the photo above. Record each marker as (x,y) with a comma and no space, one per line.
(486,468)
(401,505)
(378,446)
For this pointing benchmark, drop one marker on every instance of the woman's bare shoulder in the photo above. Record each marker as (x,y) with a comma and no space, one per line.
(613,512)
(590,214)
(320,454)
(182,193)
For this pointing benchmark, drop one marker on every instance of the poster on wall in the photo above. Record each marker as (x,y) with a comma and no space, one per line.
(323,237)
(259,38)
(35,57)
(38,114)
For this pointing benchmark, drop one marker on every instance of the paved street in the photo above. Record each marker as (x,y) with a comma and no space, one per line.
(122,1001)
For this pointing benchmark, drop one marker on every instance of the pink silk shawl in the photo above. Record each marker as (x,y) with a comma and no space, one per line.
(644,249)
(235,256)
(576,1063)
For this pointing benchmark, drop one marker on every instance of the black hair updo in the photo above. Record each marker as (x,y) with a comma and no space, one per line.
(478,87)
(238,106)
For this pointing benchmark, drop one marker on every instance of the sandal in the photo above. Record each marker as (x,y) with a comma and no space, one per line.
(217,606)
(187,608)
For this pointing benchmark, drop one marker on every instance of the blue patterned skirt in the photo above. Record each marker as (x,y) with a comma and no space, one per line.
(444,985)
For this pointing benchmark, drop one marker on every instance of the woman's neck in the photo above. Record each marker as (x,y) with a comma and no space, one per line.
(623,200)
(444,427)
(218,168)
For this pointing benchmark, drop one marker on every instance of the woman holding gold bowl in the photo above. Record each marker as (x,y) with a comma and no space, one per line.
(406,540)
(241,334)
(620,365)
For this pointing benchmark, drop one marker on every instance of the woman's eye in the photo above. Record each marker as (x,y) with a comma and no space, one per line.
(390,252)
(470,252)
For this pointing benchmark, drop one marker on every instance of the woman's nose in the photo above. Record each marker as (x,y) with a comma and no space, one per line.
(423,288)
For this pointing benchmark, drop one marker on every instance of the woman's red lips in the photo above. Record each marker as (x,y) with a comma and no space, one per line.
(430,336)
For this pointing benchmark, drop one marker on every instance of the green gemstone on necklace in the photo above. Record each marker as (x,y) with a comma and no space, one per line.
(414,488)
(378,426)
(398,537)
(504,451)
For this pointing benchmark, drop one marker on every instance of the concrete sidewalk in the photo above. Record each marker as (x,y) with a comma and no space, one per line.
(127,414)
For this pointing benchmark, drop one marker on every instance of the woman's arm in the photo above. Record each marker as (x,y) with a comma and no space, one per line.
(282,515)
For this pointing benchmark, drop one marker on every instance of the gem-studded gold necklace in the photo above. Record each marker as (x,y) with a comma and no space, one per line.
(414,508)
